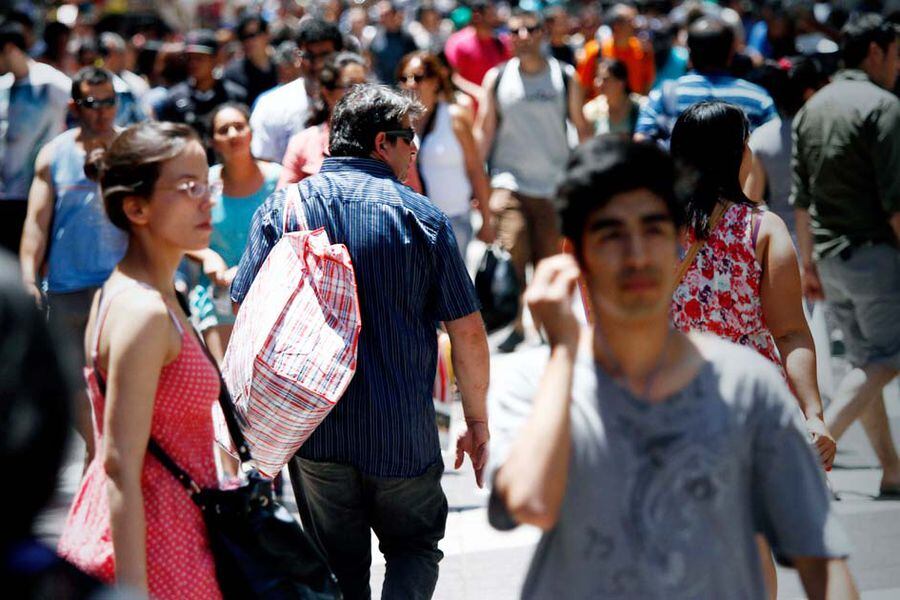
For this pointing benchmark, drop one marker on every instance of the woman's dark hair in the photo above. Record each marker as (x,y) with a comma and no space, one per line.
(433,67)
(365,111)
(604,167)
(708,144)
(329,78)
(131,164)
(618,69)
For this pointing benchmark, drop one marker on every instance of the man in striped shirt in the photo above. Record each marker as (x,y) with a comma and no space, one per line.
(375,463)
(711,44)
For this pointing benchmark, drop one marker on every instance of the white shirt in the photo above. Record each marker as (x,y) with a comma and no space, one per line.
(277,115)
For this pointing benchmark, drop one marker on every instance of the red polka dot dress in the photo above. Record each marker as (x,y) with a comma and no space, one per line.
(179,562)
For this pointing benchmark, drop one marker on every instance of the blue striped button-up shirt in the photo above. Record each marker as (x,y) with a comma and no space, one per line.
(409,276)
(661,111)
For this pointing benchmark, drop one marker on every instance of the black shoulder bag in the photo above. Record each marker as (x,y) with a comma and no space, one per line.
(260,551)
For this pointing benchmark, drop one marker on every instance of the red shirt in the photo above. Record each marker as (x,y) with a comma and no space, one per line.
(472,56)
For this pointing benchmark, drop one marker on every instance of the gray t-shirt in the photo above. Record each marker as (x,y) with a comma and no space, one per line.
(663,500)
(771,143)
(531,144)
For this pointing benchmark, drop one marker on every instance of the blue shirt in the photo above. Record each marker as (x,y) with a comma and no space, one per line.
(409,277)
(666,102)
(84,244)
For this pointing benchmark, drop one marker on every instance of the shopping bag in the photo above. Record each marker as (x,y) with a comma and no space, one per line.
(292,351)
(497,287)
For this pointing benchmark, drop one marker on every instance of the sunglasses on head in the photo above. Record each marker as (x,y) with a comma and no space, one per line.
(408,135)
(95,103)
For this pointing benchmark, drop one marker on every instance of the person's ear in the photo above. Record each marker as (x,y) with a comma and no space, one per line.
(136,209)
(381,142)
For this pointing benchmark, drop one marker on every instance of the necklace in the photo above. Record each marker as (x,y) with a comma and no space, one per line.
(618,374)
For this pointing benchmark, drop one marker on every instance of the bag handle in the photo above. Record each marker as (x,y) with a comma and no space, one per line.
(688,259)
(293,201)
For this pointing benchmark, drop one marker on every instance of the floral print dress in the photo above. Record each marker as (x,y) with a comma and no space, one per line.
(720,293)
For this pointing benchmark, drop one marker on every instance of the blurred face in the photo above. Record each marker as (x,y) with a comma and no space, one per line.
(255,41)
(624,28)
(351,74)
(527,35)
(607,84)
(885,65)
(415,79)
(96,109)
(174,215)
(200,66)
(231,133)
(629,253)
(313,55)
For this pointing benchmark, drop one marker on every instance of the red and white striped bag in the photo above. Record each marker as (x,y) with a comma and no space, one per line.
(292,352)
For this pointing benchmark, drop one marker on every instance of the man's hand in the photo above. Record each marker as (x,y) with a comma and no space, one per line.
(812,287)
(486,233)
(549,299)
(822,440)
(474,442)
(35,292)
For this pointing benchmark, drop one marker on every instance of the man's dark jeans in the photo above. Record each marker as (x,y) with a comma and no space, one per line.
(340,506)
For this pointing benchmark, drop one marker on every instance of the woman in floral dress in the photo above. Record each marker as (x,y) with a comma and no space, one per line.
(744,283)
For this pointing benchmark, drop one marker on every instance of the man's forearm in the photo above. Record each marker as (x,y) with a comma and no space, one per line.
(471,364)
(532,482)
(895,225)
(804,236)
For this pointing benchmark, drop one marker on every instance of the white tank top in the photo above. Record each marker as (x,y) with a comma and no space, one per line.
(443,166)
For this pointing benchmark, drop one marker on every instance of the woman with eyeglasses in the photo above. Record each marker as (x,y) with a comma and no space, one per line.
(148,376)
(244,183)
(451,171)
(307,149)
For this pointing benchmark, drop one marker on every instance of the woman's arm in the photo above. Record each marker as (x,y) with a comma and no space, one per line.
(486,119)
(783,311)
(140,341)
(481,188)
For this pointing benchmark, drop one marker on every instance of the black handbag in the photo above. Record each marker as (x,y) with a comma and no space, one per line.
(259,550)
(497,287)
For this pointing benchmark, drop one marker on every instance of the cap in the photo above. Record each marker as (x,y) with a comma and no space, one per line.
(201,41)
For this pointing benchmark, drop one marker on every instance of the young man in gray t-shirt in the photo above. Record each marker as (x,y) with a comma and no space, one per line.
(649,458)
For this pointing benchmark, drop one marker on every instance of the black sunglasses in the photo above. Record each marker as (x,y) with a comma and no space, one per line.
(531,29)
(95,103)
(408,135)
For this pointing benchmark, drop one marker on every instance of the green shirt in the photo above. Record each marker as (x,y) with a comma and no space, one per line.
(846,163)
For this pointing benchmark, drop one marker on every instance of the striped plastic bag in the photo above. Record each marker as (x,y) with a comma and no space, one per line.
(293,348)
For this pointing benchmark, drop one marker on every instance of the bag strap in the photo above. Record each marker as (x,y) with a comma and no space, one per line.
(293,201)
(691,254)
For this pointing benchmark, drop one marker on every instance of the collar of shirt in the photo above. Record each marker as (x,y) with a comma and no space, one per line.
(851,75)
(370,166)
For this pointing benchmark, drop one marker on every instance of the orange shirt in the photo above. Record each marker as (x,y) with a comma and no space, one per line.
(638,59)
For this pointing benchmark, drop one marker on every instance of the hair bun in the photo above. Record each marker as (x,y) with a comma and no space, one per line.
(95,163)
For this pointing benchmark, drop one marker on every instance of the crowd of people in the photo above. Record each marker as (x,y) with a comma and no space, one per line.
(696,175)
